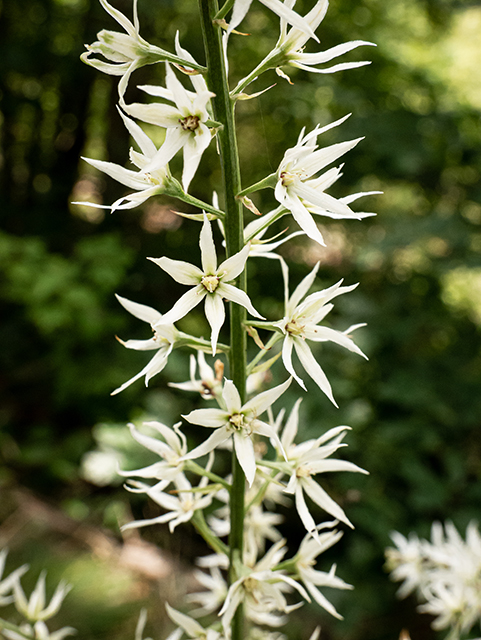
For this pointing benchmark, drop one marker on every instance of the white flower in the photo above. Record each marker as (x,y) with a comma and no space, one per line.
(39,631)
(238,422)
(125,51)
(291,44)
(261,590)
(282,9)
(128,51)
(6,585)
(209,384)
(170,448)
(210,282)
(302,194)
(307,459)
(185,122)
(145,184)
(300,324)
(406,562)
(162,341)
(305,561)
(215,591)
(35,609)
(191,627)
(180,507)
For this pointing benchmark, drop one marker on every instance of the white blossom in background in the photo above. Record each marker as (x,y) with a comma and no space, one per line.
(6,585)
(190,627)
(445,572)
(300,324)
(36,608)
(210,283)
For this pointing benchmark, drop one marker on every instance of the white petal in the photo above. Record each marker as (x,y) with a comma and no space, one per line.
(303,218)
(215,314)
(303,511)
(264,400)
(321,498)
(322,334)
(140,311)
(145,144)
(208,417)
(155,366)
(219,436)
(234,294)
(244,450)
(231,397)
(233,266)
(290,430)
(184,304)
(301,290)
(180,271)
(191,626)
(313,368)
(287,360)
(207,249)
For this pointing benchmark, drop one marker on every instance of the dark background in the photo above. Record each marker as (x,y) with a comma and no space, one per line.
(415,407)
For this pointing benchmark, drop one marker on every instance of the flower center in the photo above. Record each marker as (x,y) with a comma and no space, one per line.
(189,123)
(294,328)
(210,283)
(237,421)
(303,472)
(287,178)
(160,339)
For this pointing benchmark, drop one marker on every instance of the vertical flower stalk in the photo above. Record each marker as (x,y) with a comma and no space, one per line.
(223,108)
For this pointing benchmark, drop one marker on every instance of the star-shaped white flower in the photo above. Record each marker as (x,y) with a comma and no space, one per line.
(162,341)
(300,324)
(185,122)
(170,447)
(238,422)
(144,184)
(291,44)
(35,608)
(302,194)
(261,589)
(307,459)
(282,9)
(209,283)
(305,561)
(181,507)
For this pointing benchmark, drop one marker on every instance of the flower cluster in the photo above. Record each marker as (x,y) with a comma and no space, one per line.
(251,571)
(34,609)
(445,573)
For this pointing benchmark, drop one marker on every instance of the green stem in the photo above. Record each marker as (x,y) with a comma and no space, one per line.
(202,527)
(223,109)
(200,471)
(224,10)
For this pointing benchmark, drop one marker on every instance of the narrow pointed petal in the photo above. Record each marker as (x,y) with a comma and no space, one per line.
(191,626)
(233,266)
(303,511)
(231,397)
(290,430)
(155,366)
(322,600)
(287,360)
(215,314)
(218,437)
(234,294)
(303,218)
(208,417)
(194,147)
(143,141)
(264,400)
(140,345)
(180,271)
(324,334)
(244,449)
(207,249)
(301,290)
(184,304)
(321,498)
(121,19)
(140,311)
(312,367)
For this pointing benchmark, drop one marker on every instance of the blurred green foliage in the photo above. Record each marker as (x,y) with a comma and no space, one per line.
(415,408)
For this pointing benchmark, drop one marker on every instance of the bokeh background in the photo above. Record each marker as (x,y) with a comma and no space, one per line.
(415,407)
